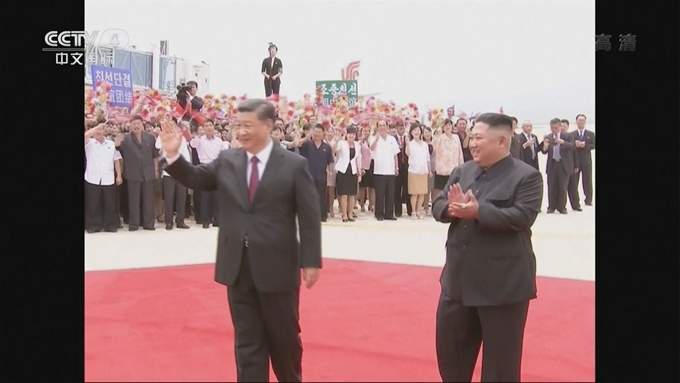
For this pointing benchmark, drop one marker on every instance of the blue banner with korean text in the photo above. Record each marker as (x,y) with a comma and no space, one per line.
(120,81)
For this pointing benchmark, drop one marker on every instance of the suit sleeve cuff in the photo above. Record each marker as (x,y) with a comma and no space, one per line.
(171,160)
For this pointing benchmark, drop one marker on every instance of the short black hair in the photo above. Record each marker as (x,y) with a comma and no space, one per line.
(137,117)
(210,120)
(352,129)
(514,119)
(319,126)
(263,109)
(555,121)
(194,83)
(307,127)
(496,121)
(565,121)
(448,121)
(581,115)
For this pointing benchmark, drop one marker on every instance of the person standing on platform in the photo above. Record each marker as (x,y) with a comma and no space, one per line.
(530,146)
(174,193)
(585,143)
(385,149)
(349,172)
(572,184)
(263,190)
(140,157)
(208,147)
(101,204)
(272,69)
(489,276)
(319,155)
(560,164)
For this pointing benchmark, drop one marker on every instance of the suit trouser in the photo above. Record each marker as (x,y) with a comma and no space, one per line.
(141,191)
(401,195)
(586,171)
(209,207)
(271,87)
(461,331)
(384,196)
(572,191)
(321,189)
(174,193)
(266,325)
(100,207)
(558,180)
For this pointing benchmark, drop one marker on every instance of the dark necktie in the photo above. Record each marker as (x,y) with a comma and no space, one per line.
(254,178)
(580,134)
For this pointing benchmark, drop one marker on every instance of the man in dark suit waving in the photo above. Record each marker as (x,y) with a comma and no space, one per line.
(489,277)
(261,189)
(272,69)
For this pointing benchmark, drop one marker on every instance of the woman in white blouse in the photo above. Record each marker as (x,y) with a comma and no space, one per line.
(349,171)
(418,154)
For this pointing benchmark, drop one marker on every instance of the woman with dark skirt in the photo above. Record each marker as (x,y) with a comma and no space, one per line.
(348,167)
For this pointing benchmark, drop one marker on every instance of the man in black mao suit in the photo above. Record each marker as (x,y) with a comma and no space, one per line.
(572,184)
(584,140)
(262,189)
(560,164)
(489,277)
(272,69)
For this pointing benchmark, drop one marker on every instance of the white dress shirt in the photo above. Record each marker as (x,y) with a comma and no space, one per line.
(207,148)
(100,158)
(183,151)
(342,149)
(383,155)
(263,157)
(418,158)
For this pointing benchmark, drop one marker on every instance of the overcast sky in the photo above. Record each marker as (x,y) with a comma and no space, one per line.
(534,58)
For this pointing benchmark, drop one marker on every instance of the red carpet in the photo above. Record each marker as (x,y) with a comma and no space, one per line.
(362,322)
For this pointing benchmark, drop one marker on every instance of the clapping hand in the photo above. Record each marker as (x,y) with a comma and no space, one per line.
(465,210)
(559,141)
(170,138)
(455,195)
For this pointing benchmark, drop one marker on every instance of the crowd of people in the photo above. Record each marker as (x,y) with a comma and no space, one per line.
(382,167)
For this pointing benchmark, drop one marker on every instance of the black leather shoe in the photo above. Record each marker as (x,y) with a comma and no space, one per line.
(133,228)
(390,218)
(206,226)
(150,228)
(182,226)
(578,209)
(563,211)
(168,226)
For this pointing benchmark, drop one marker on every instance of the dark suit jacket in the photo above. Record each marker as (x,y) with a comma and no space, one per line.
(566,153)
(490,260)
(267,66)
(516,147)
(196,104)
(268,224)
(139,157)
(526,152)
(583,154)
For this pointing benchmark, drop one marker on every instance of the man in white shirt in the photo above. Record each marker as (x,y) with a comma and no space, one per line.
(173,191)
(265,193)
(208,147)
(384,150)
(101,208)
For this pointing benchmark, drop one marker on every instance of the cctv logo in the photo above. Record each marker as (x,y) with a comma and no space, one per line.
(78,40)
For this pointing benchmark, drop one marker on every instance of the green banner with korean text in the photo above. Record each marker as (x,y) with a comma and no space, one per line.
(331,89)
